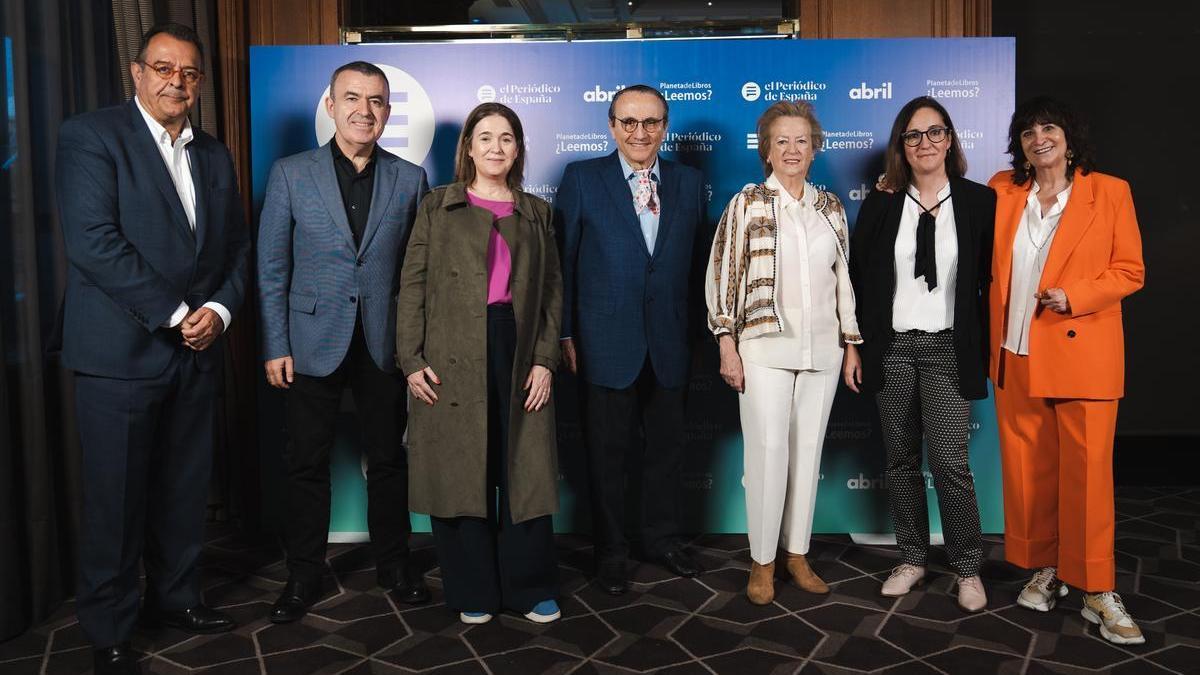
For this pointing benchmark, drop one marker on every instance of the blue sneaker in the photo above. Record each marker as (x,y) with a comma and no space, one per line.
(544,612)
(474,617)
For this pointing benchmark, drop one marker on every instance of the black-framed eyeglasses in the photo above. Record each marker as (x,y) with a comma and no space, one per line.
(650,124)
(167,70)
(935,134)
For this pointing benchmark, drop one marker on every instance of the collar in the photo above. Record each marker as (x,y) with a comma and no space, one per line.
(627,170)
(456,195)
(338,154)
(161,135)
(786,198)
(1061,197)
(941,194)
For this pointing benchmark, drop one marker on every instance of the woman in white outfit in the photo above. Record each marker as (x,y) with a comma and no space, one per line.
(782,308)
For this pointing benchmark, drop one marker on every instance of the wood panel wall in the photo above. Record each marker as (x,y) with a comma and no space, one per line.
(893,18)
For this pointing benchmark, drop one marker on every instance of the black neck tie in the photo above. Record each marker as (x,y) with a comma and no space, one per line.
(925,263)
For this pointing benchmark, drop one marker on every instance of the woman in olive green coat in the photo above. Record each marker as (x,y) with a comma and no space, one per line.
(477,327)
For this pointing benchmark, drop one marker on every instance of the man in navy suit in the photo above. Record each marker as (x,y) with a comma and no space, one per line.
(628,224)
(158,254)
(330,244)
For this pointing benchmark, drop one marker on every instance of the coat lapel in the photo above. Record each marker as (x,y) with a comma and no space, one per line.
(199,163)
(327,185)
(964,229)
(144,141)
(667,194)
(1077,217)
(381,195)
(1010,204)
(622,198)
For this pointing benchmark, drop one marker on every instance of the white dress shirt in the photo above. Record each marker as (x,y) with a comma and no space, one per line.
(1031,247)
(805,291)
(914,306)
(179,166)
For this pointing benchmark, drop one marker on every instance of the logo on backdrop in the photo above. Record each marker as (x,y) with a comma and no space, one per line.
(409,130)
(752,141)
(864,92)
(598,95)
(968,137)
(751,91)
(855,139)
(783,90)
(518,94)
(485,94)
(686,91)
(943,89)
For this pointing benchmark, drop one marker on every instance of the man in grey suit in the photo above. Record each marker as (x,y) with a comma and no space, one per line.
(331,239)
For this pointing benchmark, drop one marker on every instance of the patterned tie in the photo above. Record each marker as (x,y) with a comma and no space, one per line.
(646,196)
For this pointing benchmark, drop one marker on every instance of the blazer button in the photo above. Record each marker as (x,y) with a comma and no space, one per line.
(453,404)
(353,299)
(453,273)
(1070,333)
(452,360)
(359,262)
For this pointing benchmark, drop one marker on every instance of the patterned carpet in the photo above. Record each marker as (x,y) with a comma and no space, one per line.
(669,625)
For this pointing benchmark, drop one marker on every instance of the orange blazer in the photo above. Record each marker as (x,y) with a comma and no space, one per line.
(1096,258)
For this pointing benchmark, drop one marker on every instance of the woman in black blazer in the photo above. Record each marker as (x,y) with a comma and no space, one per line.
(920,262)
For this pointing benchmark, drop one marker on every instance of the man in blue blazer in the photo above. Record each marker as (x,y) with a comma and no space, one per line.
(628,224)
(330,243)
(158,253)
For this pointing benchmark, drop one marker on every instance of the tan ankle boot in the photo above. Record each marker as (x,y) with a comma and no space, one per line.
(761,587)
(803,576)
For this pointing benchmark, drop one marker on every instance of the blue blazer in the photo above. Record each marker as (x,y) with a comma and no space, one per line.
(622,302)
(313,280)
(133,256)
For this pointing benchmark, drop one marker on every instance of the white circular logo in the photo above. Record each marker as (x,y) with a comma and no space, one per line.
(751,91)
(409,130)
(486,94)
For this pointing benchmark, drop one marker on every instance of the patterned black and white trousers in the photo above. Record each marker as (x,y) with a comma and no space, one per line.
(920,400)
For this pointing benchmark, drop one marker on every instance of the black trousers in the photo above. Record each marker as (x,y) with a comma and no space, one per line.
(313,404)
(492,563)
(646,420)
(147,459)
(920,399)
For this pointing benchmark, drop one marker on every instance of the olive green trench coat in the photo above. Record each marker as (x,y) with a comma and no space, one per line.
(441,322)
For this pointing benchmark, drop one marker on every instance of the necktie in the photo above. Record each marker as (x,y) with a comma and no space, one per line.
(646,196)
(925,263)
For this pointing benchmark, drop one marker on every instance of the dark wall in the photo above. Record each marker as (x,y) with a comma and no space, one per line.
(1131,68)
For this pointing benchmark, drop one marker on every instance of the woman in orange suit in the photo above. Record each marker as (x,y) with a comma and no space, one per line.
(1067,250)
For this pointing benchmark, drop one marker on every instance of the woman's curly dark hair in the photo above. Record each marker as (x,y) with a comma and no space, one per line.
(1043,110)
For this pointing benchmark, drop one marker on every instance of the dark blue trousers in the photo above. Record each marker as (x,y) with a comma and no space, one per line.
(147,458)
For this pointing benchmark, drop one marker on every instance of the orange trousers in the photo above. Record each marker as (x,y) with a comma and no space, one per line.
(1057,461)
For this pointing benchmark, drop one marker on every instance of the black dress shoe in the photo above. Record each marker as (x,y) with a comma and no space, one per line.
(611,578)
(116,660)
(680,563)
(198,619)
(295,600)
(407,584)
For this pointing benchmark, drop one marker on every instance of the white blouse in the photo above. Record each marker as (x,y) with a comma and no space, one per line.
(806,291)
(914,306)
(1031,247)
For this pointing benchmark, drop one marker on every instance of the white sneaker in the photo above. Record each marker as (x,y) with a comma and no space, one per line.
(474,617)
(1043,590)
(902,580)
(1107,611)
(971,596)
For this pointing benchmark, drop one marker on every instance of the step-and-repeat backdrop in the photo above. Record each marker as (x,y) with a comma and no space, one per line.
(717,88)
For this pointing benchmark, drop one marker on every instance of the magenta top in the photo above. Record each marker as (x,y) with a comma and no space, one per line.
(499,258)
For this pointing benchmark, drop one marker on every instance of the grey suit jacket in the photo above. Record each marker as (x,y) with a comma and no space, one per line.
(313,281)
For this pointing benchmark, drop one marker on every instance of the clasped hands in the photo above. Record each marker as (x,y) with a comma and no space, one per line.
(201,328)
(538,384)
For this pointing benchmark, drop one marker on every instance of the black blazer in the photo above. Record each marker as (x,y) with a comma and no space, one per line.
(133,256)
(873,273)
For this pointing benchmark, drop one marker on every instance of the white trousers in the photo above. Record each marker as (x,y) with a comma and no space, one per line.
(784,416)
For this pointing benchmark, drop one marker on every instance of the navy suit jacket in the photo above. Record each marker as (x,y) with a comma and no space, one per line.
(133,256)
(622,302)
(313,280)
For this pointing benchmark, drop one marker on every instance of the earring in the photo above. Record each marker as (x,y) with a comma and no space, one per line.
(1070,157)
(1026,165)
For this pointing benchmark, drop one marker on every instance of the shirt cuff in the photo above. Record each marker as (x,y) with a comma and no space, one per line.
(217,307)
(177,316)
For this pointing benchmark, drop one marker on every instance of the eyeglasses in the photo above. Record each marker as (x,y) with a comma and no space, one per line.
(650,124)
(167,70)
(935,134)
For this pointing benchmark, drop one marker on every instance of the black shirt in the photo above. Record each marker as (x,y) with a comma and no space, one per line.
(356,188)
